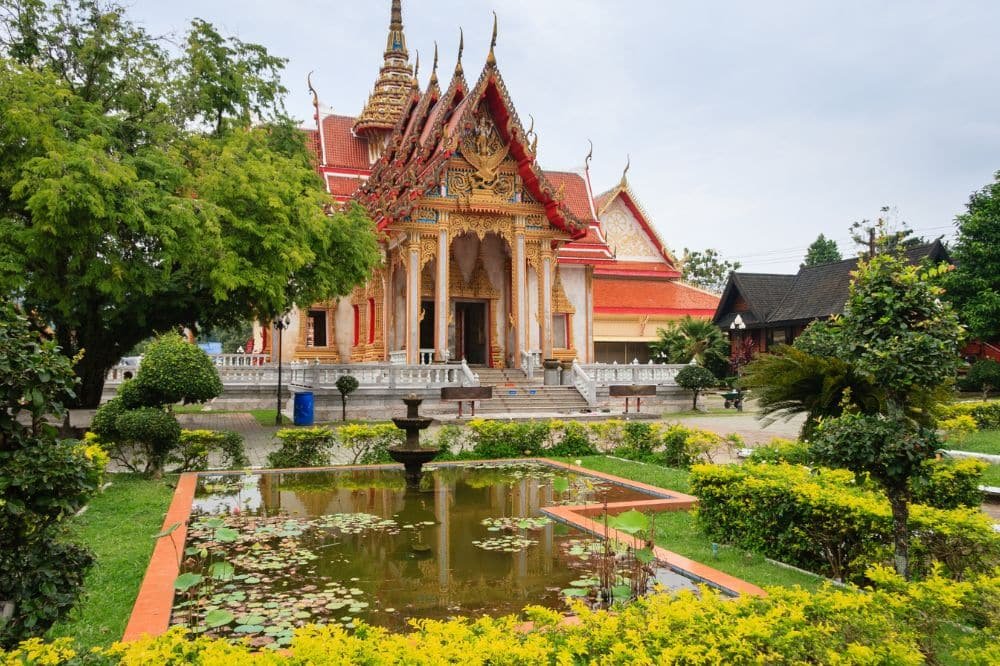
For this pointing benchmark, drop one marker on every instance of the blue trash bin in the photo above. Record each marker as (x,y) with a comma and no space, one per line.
(302,409)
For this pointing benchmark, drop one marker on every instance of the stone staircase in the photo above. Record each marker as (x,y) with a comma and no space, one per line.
(515,394)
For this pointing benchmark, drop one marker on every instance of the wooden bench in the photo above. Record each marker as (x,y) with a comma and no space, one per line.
(628,391)
(468,394)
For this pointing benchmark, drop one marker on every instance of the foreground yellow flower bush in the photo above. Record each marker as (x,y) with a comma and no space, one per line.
(897,623)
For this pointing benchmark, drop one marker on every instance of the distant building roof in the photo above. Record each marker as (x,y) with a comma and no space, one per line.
(815,292)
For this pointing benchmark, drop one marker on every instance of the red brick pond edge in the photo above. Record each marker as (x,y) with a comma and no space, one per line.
(154,603)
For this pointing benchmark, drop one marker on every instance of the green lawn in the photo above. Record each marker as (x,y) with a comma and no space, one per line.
(265,417)
(676,530)
(984,441)
(991,477)
(118,526)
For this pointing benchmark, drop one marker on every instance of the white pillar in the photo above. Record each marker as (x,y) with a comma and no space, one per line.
(441,298)
(520,276)
(413,300)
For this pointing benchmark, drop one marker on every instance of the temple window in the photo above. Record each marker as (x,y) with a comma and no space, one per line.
(357,325)
(316,329)
(371,321)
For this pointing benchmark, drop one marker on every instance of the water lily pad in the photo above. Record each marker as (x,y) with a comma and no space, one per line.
(226,535)
(218,618)
(575,592)
(630,522)
(221,570)
(186,581)
(251,619)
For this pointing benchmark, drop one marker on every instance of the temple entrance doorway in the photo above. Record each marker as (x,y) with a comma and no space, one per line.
(471,337)
(427,325)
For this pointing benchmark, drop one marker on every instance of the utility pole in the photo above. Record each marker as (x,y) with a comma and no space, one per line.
(871,244)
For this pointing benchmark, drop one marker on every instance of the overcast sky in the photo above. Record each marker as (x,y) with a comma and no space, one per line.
(752,126)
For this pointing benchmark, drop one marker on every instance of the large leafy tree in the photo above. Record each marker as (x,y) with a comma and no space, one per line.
(822,251)
(143,189)
(707,269)
(974,286)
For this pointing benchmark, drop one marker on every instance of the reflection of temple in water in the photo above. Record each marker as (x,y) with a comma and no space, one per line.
(453,573)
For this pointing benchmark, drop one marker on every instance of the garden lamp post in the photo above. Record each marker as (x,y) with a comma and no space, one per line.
(280,324)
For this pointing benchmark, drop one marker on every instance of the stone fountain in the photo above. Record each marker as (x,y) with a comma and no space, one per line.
(410,454)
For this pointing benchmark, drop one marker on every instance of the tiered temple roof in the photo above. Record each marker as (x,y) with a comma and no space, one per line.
(397,150)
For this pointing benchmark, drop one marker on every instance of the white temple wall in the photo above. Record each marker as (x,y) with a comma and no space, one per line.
(574,281)
(398,302)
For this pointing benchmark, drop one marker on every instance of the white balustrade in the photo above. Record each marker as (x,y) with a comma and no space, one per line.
(604,374)
(529,361)
(469,378)
(240,360)
(585,384)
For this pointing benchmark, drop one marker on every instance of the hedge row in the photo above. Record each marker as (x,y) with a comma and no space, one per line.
(670,445)
(986,413)
(947,483)
(821,520)
(896,623)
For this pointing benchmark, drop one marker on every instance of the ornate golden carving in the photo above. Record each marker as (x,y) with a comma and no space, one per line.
(428,249)
(484,149)
(560,303)
(459,223)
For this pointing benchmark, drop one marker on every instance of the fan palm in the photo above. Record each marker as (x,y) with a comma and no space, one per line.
(690,339)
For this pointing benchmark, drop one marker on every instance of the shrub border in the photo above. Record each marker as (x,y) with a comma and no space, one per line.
(153,606)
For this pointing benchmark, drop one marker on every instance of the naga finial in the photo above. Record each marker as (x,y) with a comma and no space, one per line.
(314,94)
(491,59)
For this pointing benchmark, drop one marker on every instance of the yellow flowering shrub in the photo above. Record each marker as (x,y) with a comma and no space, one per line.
(896,623)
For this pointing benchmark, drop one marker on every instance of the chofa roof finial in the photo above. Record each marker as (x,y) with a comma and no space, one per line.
(628,165)
(434,67)
(590,156)
(461,48)
(491,59)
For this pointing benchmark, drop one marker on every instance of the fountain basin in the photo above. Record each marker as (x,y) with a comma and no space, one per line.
(413,460)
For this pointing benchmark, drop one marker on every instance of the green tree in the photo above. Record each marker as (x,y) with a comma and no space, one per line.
(887,232)
(43,480)
(695,379)
(707,269)
(141,190)
(346,384)
(688,339)
(898,334)
(974,286)
(822,251)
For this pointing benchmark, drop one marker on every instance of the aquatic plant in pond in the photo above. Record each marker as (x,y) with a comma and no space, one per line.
(335,547)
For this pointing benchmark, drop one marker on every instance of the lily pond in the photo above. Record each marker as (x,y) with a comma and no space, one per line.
(269,552)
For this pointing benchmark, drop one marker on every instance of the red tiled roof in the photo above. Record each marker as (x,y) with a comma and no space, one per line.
(623,295)
(343,186)
(343,148)
(312,142)
(639,268)
(575,196)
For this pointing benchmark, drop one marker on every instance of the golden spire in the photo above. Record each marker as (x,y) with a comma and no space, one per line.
(395,80)
(396,41)
(461,47)
(491,59)
(416,71)
(434,67)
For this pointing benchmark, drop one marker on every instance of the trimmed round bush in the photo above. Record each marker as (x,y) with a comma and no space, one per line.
(696,379)
(156,431)
(174,370)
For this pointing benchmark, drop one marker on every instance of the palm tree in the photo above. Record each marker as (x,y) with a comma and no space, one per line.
(690,339)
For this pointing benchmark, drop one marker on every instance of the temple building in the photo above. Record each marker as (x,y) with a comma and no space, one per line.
(487,257)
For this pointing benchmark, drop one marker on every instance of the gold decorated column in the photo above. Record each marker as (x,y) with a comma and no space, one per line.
(519,277)
(545,324)
(413,299)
